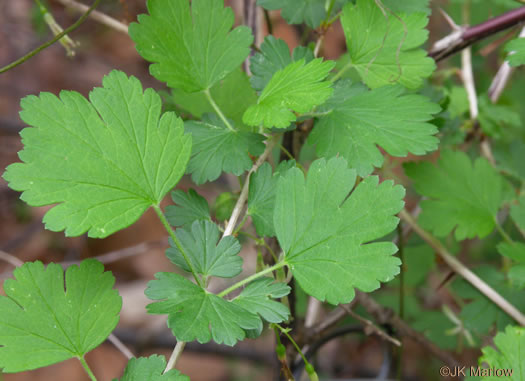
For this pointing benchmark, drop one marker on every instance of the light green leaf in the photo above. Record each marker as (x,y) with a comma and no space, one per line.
(224,204)
(189,207)
(516,275)
(462,195)
(195,314)
(508,355)
(151,369)
(494,118)
(261,200)
(298,87)
(326,236)
(105,162)
(233,95)
(379,48)
(311,12)
(517,212)
(190,50)
(257,298)
(274,56)
(356,124)
(218,149)
(516,50)
(208,255)
(41,324)
(514,250)
(407,6)
(509,158)
(480,314)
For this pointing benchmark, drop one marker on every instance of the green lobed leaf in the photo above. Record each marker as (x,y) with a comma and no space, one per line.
(298,87)
(151,369)
(326,236)
(462,195)
(508,355)
(274,56)
(195,314)
(516,275)
(407,6)
(218,149)
(509,158)
(41,324)
(105,162)
(261,200)
(480,314)
(257,297)
(189,207)
(516,50)
(311,12)
(379,48)
(494,118)
(224,205)
(233,95)
(517,212)
(209,255)
(190,50)
(359,120)
(515,250)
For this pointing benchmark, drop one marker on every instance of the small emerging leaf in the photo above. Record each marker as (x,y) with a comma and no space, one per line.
(257,297)
(208,255)
(274,56)
(189,207)
(216,148)
(311,12)
(298,87)
(42,324)
(151,369)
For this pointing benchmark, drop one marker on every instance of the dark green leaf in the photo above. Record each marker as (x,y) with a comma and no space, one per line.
(151,369)
(208,255)
(189,207)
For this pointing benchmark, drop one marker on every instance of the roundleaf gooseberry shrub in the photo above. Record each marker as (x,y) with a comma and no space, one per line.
(102,161)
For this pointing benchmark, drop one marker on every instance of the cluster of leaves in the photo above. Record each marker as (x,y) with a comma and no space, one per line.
(104,160)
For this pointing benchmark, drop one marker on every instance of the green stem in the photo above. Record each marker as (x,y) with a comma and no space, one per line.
(217,109)
(401,245)
(52,41)
(177,243)
(503,233)
(251,278)
(329,11)
(87,369)
(306,363)
(341,72)
(268,20)
(241,224)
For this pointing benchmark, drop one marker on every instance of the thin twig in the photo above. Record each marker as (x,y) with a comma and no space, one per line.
(177,351)
(370,327)
(52,41)
(460,39)
(120,346)
(386,316)
(11,259)
(502,76)
(244,192)
(96,15)
(468,80)
(464,271)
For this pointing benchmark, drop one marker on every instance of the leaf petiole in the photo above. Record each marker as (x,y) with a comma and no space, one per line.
(252,278)
(217,109)
(87,369)
(173,236)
